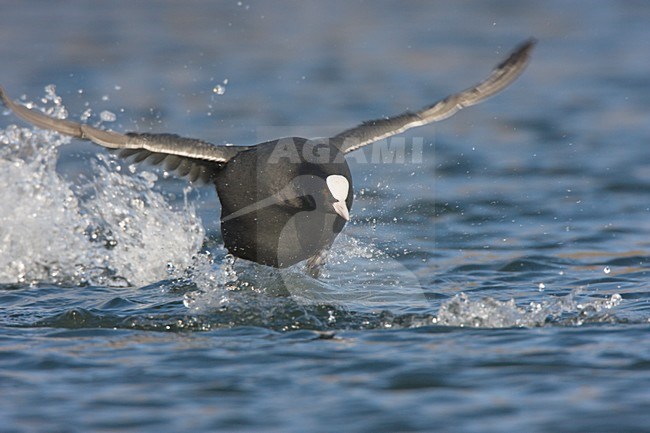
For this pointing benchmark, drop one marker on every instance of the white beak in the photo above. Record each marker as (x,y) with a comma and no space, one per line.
(342,209)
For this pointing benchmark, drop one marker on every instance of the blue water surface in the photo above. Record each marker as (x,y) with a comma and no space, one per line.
(497,283)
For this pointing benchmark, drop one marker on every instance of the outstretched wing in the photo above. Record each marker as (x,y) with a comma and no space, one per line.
(370,131)
(187,156)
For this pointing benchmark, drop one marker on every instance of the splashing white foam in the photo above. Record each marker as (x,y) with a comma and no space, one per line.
(491,313)
(212,284)
(356,276)
(114,230)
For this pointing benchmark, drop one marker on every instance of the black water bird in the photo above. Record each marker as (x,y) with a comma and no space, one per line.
(285,200)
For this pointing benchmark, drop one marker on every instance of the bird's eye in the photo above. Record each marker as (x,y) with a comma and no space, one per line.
(309,202)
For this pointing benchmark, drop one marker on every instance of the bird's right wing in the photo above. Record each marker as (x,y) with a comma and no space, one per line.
(186,156)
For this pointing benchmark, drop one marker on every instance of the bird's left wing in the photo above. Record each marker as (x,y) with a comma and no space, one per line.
(374,130)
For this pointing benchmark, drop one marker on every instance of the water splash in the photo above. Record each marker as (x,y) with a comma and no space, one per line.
(488,312)
(356,277)
(114,230)
(363,287)
(212,285)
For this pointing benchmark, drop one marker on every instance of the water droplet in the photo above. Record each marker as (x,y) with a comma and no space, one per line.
(107,116)
(220,89)
(86,114)
(50,91)
(541,287)
(607,270)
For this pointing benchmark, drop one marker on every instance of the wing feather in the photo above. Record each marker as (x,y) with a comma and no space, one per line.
(179,153)
(501,77)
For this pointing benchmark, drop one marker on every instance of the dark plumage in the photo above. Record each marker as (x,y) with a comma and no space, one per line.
(282,211)
(285,200)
